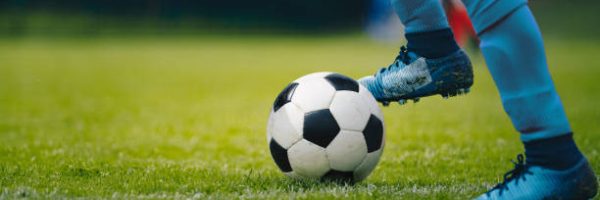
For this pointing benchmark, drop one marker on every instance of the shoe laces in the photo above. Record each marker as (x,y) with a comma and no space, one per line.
(517,173)
(402,58)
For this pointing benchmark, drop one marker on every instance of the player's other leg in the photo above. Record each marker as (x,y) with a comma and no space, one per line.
(431,64)
(553,166)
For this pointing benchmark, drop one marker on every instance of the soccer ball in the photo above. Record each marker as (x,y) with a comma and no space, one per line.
(326,126)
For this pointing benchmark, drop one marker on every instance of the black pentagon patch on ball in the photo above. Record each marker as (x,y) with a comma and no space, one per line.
(285,96)
(338,176)
(373,134)
(280,156)
(341,82)
(320,127)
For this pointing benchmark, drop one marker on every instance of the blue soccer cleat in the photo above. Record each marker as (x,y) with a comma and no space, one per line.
(411,77)
(532,182)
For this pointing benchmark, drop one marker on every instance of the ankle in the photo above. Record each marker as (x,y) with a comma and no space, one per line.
(557,152)
(432,44)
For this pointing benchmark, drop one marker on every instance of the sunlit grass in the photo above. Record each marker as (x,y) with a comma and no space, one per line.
(185,118)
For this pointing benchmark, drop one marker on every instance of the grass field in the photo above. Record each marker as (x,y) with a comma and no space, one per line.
(164,118)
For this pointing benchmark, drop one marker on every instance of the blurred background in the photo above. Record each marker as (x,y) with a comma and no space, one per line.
(98,17)
(168,99)
(180,16)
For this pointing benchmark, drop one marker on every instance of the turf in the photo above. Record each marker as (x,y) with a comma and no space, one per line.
(167,117)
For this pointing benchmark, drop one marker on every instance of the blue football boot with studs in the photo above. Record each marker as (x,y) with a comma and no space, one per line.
(532,182)
(411,77)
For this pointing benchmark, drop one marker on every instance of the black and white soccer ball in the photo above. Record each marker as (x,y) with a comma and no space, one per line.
(326,126)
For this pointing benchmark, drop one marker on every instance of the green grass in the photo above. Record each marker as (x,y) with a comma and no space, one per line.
(185,118)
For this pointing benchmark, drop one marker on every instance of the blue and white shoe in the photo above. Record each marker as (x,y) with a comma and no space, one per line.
(412,77)
(535,182)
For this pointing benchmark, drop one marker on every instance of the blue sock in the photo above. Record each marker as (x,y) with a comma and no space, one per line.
(484,13)
(426,27)
(514,53)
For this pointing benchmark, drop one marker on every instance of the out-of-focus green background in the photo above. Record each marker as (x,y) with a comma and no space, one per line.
(20,18)
(169,99)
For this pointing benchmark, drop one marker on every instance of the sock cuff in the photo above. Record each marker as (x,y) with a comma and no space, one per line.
(541,143)
(432,44)
(559,152)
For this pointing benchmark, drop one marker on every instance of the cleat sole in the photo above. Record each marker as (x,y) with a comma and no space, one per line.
(385,103)
(402,101)
(457,92)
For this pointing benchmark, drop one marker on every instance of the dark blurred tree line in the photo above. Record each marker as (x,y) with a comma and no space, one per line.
(235,14)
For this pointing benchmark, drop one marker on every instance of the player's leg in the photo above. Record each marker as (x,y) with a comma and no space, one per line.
(512,45)
(432,64)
